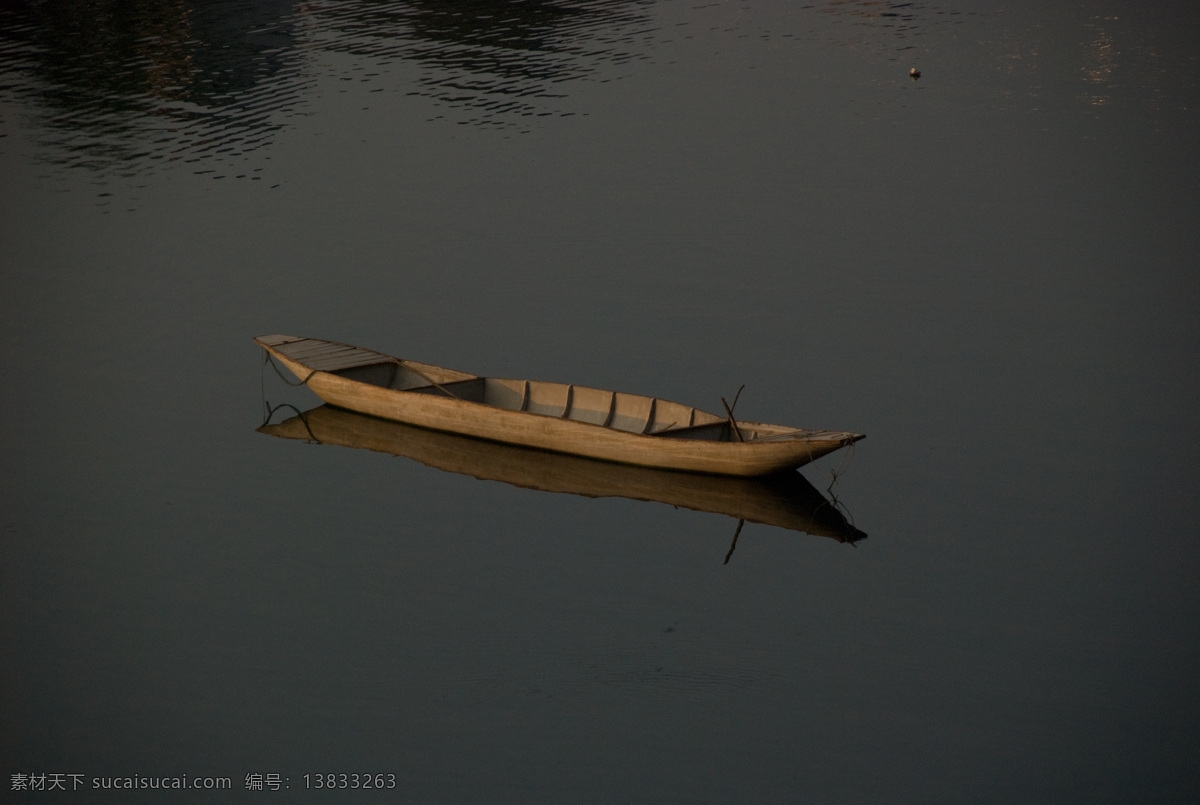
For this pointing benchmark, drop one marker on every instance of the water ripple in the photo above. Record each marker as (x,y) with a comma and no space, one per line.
(489,63)
(126,86)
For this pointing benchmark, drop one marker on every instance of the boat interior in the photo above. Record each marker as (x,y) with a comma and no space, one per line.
(631,413)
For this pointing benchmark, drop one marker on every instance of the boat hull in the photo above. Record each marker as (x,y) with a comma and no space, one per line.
(783,449)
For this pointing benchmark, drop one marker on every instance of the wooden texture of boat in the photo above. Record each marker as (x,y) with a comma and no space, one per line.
(784,500)
(565,418)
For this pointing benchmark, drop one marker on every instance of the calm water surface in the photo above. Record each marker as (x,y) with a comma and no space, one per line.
(990,270)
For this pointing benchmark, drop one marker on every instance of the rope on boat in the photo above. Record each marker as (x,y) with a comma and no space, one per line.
(267,359)
(268,410)
(836,503)
(847,459)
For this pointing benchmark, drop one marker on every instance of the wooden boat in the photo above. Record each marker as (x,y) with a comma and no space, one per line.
(784,500)
(565,418)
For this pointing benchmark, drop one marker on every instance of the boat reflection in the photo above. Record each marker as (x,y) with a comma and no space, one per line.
(786,500)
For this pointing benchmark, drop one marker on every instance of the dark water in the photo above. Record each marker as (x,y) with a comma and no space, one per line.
(990,270)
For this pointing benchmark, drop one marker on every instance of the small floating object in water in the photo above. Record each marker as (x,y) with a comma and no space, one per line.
(914,73)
